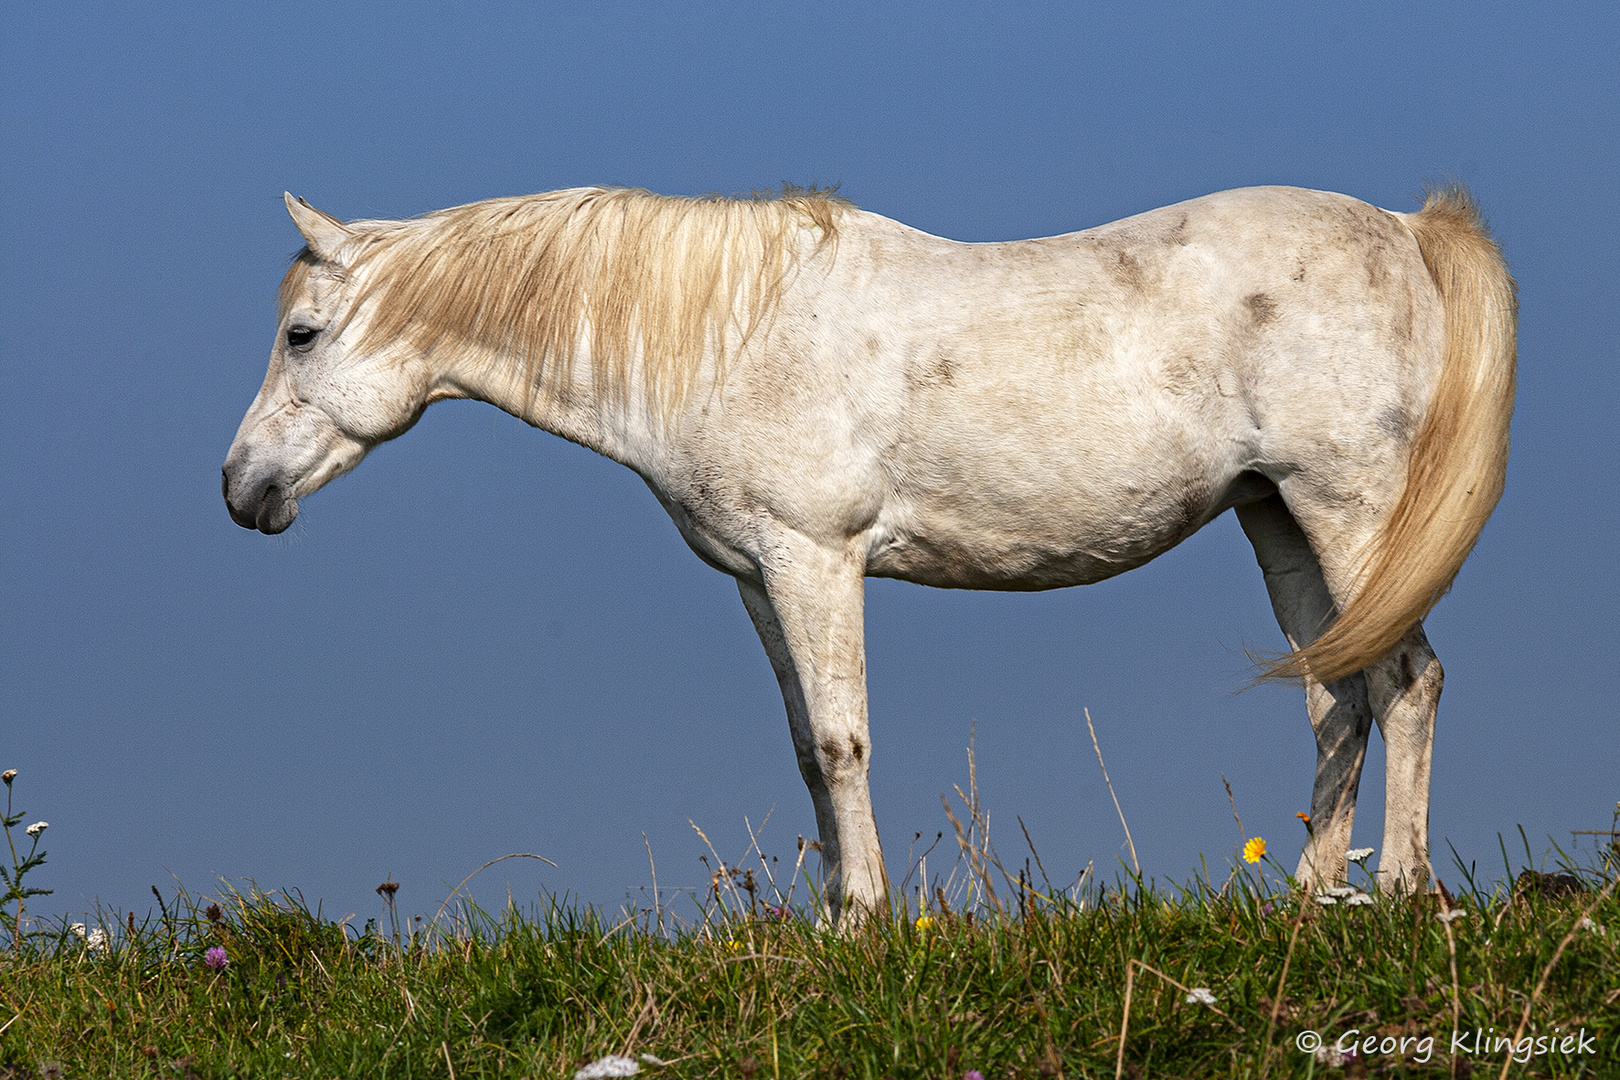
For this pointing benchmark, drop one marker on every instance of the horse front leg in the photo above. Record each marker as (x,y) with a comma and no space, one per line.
(770,632)
(809,614)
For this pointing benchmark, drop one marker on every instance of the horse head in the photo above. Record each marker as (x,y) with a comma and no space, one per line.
(325,401)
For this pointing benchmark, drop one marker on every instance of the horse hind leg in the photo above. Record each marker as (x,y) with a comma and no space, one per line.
(1402,687)
(1340,716)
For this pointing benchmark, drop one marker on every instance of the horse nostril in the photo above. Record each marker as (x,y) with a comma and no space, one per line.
(246,515)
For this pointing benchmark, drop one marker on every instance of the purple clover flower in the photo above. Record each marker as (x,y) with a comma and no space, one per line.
(215,958)
(973,1074)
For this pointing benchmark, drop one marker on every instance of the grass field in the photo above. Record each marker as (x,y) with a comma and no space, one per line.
(965,981)
(1033,984)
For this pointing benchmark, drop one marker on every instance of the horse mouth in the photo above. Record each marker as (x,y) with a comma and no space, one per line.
(270,513)
(275,514)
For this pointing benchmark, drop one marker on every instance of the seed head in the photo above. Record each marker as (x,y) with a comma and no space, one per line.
(8,776)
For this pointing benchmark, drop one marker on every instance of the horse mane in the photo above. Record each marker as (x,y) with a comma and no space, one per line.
(653,282)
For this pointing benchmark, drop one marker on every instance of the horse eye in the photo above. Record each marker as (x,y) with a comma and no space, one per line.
(299,337)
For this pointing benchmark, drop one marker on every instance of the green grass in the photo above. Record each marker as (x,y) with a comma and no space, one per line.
(1038,992)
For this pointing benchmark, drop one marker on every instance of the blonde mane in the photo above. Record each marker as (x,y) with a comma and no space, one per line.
(656,282)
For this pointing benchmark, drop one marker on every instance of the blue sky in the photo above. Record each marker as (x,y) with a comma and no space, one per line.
(488,640)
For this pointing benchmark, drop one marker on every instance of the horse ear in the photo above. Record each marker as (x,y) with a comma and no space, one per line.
(322,232)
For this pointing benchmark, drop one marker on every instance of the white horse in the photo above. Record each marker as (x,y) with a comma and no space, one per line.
(818,394)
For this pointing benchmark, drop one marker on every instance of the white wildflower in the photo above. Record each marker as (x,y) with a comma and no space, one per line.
(8,776)
(1588,924)
(1359,854)
(1342,891)
(1451,916)
(1326,900)
(76,928)
(37,827)
(1330,1055)
(1200,995)
(99,943)
(612,1065)
(1358,899)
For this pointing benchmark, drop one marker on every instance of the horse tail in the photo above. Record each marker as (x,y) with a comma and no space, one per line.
(1457,461)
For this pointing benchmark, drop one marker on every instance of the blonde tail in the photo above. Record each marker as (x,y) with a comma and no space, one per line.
(1458,459)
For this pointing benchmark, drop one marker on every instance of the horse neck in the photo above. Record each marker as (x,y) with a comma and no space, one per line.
(624,431)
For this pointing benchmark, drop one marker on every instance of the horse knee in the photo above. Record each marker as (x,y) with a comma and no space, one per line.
(841,759)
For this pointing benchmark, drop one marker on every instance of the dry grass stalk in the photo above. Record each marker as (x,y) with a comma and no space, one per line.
(1125,1018)
(1135,865)
(469,877)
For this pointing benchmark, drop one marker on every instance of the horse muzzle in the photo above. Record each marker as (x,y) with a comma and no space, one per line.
(264,505)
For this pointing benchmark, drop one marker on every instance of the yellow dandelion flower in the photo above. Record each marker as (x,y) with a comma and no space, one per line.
(925,922)
(733,946)
(1254,850)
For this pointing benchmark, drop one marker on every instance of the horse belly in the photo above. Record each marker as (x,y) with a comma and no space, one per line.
(996,539)
(1066,475)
